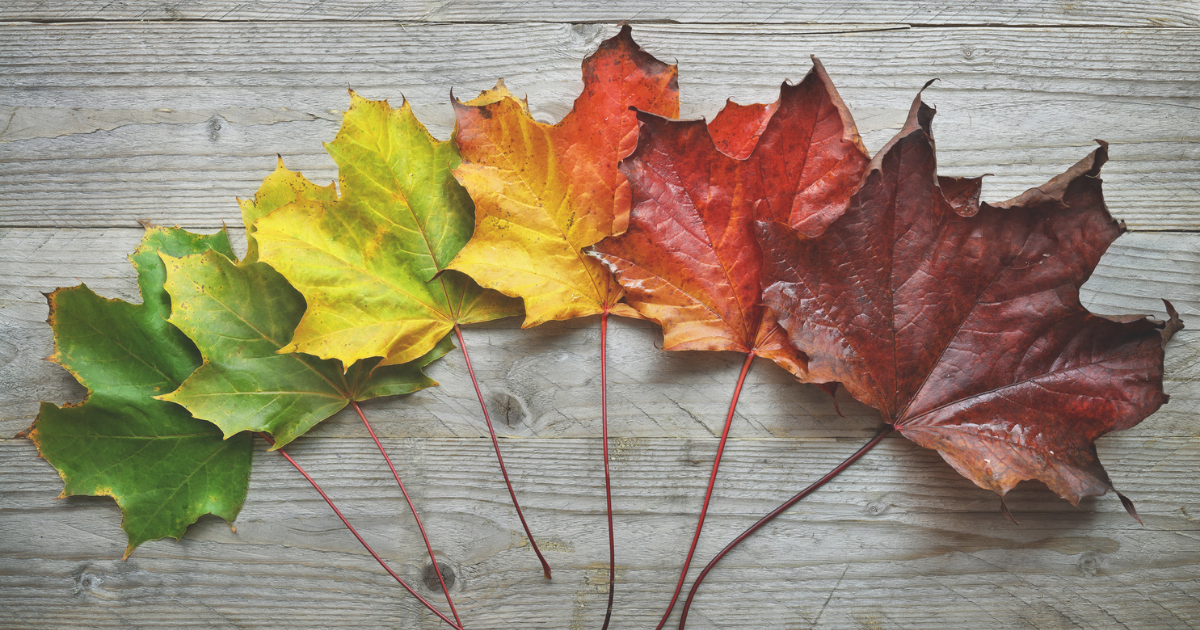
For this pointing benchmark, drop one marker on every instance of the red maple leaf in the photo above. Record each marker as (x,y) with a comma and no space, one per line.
(961,321)
(689,259)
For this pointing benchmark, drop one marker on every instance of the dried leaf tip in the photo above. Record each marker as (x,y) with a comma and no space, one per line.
(1129,508)
(1173,324)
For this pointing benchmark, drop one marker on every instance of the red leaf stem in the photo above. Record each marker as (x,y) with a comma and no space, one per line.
(884,432)
(496,445)
(612,545)
(411,507)
(359,537)
(712,480)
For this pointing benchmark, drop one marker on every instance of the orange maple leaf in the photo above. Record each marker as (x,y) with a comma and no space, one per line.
(544,192)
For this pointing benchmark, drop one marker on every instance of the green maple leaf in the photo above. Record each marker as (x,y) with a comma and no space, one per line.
(164,467)
(241,315)
(372,261)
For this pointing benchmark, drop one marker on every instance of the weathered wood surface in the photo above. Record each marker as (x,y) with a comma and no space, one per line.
(543,381)
(941,12)
(102,124)
(899,541)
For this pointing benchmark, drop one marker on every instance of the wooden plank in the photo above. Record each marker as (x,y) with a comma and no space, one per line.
(898,541)
(101,124)
(943,12)
(109,123)
(542,382)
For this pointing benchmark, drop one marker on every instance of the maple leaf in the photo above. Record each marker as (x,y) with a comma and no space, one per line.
(961,322)
(689,259)
(544,192)
(163,467)
(371,261)
(241,316)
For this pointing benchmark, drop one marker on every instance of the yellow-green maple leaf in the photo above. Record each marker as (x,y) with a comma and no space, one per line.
(371,261)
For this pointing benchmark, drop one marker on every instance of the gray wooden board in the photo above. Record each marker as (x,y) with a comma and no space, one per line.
(1171,13)
(543,382)
(107,123)
(899,541)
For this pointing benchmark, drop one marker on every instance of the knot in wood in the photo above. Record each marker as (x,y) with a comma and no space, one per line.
(431,579)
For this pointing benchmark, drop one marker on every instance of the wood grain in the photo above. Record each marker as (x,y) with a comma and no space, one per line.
(136,109)
(1172,13)
(899,541)
(900,538)
(97,132)
(542,382)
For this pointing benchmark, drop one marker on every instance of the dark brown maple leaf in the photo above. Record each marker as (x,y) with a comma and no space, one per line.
(961,321)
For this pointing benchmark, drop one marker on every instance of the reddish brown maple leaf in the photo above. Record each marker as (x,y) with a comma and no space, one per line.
(961,321)
(689,259)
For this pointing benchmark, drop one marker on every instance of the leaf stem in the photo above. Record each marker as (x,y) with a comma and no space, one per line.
(437,569)
(612,546)
(359,537)
(883,432)
(496,446)
(712,480)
